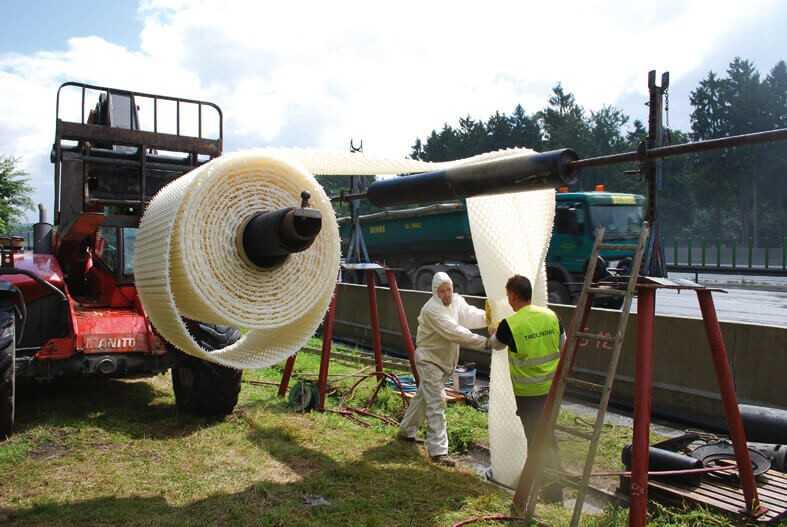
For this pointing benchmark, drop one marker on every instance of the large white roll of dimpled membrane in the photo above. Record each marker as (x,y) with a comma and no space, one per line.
(188,262)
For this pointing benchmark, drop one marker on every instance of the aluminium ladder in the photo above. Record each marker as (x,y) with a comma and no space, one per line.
(532,474)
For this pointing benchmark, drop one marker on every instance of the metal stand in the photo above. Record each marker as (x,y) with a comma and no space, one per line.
(330,321)
(642,397)
(638,505)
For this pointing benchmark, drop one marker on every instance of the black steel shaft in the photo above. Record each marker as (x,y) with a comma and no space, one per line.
(682,149)
(528,172)
(270,237)
(498,176)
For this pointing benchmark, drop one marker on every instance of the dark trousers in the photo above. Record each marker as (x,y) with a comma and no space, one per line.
(530,410)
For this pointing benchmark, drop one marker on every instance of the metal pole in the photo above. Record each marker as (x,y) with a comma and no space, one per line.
(327,341)
(646,307)
(406,335)
(375,321)
(718,253)
(689,252)
(285,377)
(767,136)
(751,250)
(703,253)
(734,253)
(727,388)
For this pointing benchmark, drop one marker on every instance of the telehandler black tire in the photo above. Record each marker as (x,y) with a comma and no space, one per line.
(204,388)
(7,362)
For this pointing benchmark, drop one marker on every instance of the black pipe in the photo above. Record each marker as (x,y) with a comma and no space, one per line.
(763,424)
(270,237)
(547,170)
(42,233)
(660,459)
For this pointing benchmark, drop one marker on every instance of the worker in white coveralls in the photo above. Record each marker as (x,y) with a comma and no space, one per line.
(443,326)
(534,336)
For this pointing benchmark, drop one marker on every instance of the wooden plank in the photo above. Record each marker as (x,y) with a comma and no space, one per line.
(767,496)
(728,497)
(696,496)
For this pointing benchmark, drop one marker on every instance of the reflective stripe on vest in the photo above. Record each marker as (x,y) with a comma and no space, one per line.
(524,363)
(532,380)
(536,332)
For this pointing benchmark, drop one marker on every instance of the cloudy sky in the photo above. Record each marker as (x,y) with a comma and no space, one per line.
(315,74)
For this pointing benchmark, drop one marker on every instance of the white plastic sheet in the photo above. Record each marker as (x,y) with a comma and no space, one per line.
(511,236)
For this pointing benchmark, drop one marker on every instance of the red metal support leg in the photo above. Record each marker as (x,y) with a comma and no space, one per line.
(375,321)
(732,413)
(285,377)
(406,335)
(643,384)
(327,341)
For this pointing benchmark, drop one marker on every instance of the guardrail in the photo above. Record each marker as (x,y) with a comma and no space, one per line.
(726,257)
(684,387)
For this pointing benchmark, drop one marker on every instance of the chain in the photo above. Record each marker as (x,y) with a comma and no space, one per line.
(666,105)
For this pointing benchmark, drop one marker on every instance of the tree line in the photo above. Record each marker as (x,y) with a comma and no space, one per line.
(732,194)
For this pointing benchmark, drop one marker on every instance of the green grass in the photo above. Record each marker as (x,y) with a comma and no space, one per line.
(92,452)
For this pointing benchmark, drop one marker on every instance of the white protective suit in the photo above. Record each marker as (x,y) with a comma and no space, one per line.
(441,331)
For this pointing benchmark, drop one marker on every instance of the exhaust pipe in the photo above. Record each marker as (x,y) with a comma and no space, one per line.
(42,233)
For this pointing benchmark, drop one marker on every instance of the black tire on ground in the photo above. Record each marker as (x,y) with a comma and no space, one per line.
(204,388)
(558,293)
(7,360)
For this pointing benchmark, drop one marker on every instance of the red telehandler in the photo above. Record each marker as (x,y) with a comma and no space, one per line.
(70,307)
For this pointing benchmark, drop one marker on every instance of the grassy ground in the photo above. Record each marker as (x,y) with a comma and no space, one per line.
(117,452)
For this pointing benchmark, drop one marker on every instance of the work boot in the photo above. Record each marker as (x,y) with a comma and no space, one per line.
(408,439)
(443,459)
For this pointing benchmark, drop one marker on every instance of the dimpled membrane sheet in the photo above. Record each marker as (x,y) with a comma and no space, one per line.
(511,235)
(188,262)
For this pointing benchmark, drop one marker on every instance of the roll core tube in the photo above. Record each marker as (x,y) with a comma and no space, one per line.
(270,237)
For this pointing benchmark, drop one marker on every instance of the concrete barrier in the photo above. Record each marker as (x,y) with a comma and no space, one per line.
(684,382)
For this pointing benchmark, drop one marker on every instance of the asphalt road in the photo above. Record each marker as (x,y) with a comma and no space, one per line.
(768,307)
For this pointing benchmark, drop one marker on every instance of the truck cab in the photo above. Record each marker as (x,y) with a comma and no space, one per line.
(577,216)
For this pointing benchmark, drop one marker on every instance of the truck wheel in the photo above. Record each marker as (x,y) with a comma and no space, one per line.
(7,382)
(558,293)
(460,282)
(423,282)
(204,388)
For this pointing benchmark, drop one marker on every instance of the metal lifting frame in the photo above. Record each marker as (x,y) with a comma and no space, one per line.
(330,321)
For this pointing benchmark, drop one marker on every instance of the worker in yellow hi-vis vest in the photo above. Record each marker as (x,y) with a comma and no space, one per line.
(533,335)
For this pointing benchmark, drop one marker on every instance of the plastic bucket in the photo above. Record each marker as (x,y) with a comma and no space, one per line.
(464,379)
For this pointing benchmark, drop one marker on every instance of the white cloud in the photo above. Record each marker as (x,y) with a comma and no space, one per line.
(318,73)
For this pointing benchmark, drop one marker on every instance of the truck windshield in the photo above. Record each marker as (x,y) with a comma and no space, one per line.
(129,241)
(621,221)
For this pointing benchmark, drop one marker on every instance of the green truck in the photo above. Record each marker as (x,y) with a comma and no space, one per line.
(418,242)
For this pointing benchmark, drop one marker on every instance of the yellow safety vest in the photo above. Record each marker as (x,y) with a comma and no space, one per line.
(536,332)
